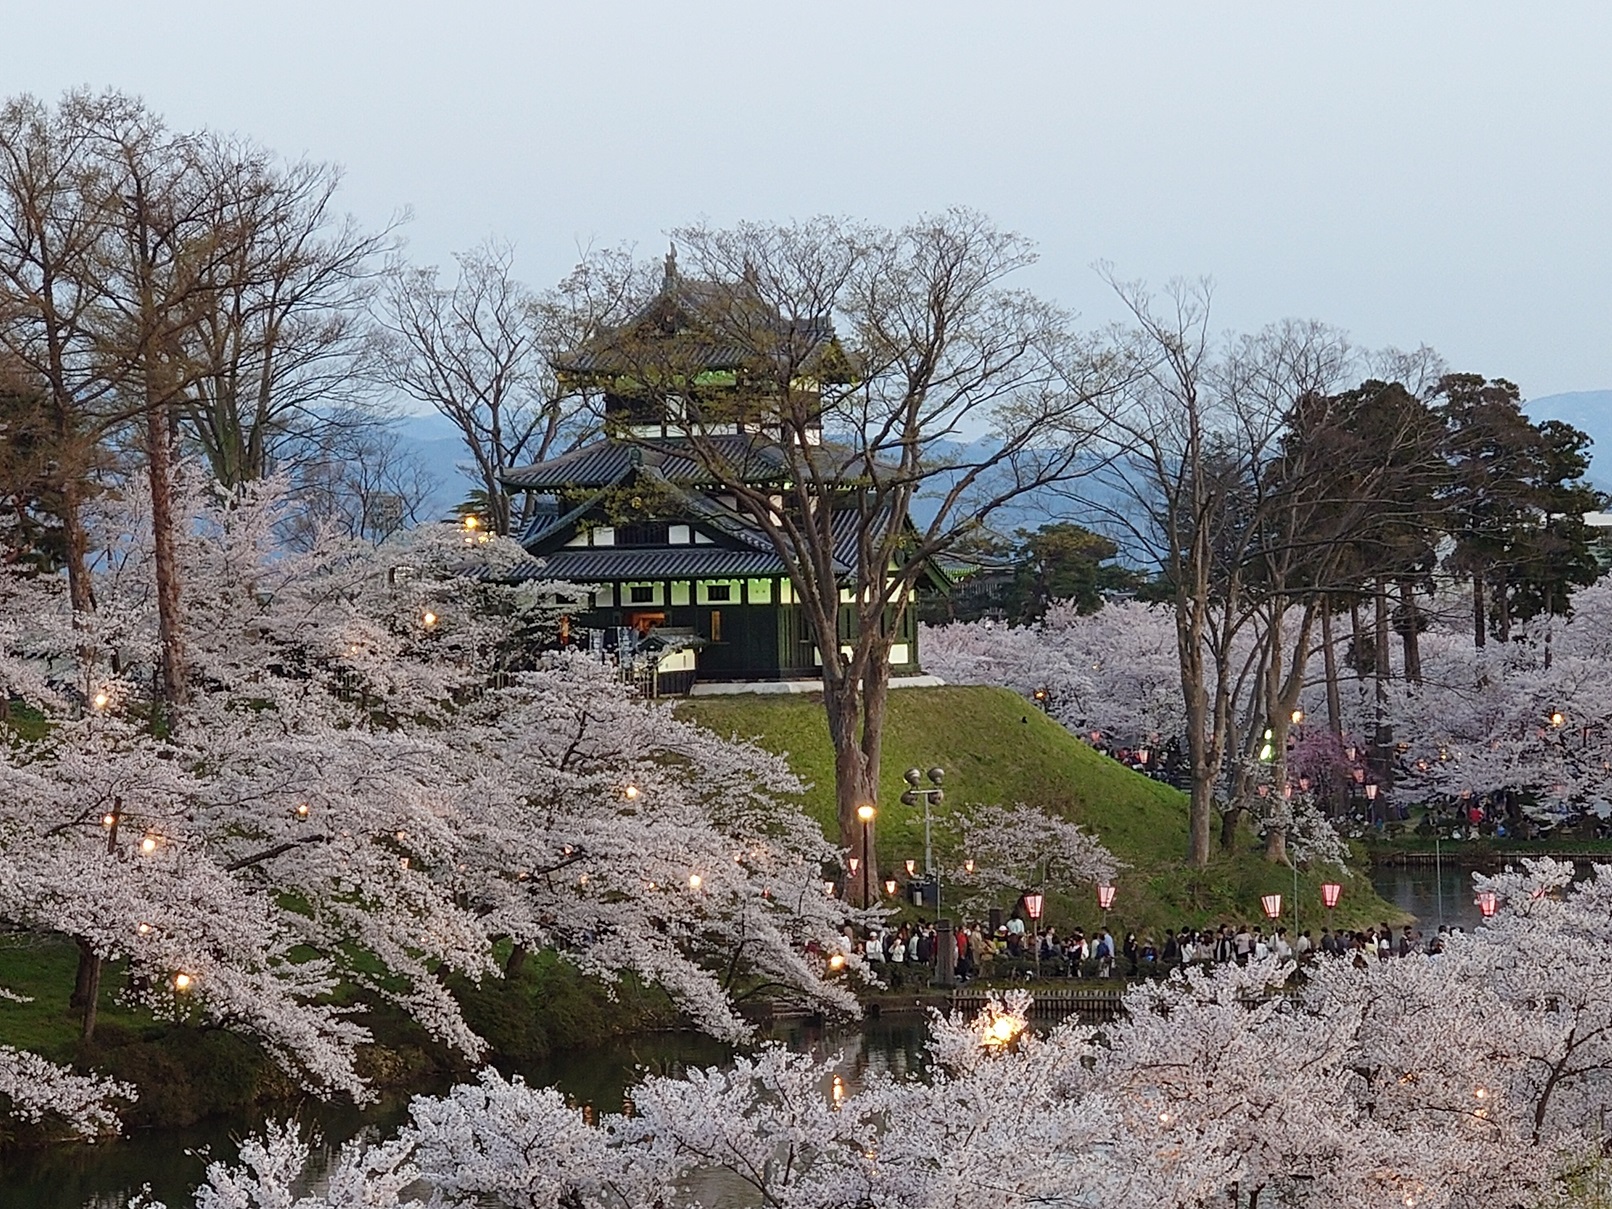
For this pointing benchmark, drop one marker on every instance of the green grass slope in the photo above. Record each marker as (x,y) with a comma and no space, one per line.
(996,747)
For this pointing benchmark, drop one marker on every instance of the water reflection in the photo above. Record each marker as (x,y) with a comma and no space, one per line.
(1434,896)
(171,1161)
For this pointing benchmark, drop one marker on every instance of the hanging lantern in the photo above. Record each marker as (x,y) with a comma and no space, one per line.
(1272,904)
(1488,902)
(1371,792)
(968,865)
(912,868)
(854,864)
(1142,754)
(1033,902)
(890,886)
(1329,894)
(1105,897)
(1298,716)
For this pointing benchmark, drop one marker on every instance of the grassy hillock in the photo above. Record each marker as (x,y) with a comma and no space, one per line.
(996,747)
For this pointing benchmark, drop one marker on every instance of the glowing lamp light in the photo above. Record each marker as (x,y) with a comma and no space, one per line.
(472,523)
(1329,894)
(890,885)
(1272,903)
(1298,716)
(109,820)
(1371,792)
(148,845)
(1001,1030)
(1351,753)
(912,868)
(865,812)
(1041,694)
(837,962)
(1105,897)
(694,881)
(1142,754)
(1488,902)
(854,863)
(183,981)
(837,1090)
(428,619)
(1033,902)
(968,865)
(631,793)
(1557,718)
(303,810)
(101,700)
(828,889)
(143,928)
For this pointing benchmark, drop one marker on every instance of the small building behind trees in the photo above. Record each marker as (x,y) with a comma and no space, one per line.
(681,582)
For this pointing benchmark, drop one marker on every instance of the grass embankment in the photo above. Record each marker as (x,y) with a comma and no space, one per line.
(185,1073)
(997,748)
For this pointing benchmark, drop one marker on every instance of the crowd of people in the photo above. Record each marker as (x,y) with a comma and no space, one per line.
(911,950)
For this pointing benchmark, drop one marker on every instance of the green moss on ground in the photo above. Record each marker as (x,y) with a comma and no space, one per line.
(998,748)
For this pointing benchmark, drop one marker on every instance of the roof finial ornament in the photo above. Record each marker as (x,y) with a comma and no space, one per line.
(669,279)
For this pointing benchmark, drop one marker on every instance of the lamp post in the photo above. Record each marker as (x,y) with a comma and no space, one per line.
(928,798)
(1033,902)
(865,813)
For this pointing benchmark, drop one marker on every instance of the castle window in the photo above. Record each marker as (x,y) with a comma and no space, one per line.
(718,592)
(641,594)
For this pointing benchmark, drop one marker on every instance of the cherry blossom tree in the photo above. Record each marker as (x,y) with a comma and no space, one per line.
(379,781)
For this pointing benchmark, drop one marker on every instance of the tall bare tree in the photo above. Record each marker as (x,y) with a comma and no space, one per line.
(479,353)
(902,390)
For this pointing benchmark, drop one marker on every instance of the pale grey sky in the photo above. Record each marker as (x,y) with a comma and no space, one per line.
(1428,172)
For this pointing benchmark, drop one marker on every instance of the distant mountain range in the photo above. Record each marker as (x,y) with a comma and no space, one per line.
(437,445)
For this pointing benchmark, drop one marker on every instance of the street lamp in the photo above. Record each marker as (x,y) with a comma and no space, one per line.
(928,798)
(865,812)
(1033,902)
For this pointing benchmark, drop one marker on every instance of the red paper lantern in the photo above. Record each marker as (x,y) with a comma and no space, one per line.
(1272,904)
(1032,903)
(1329,894)
(1488,902)
(1105,897)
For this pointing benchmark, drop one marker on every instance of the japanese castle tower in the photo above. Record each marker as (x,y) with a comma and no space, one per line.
(680,581)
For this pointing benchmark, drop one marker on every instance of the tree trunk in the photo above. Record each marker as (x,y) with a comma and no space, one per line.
(1502,607)
(1410,631)
(1480,631)
(170,627)
(516,960)
(92,997)
(1381,735)
(856,730)
(1329,656)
